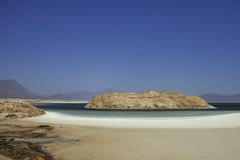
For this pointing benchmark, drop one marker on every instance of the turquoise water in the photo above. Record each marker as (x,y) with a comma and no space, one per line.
(79,111)
(140,114)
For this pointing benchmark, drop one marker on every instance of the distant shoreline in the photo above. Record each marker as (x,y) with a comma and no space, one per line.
(59,101)
(44,101)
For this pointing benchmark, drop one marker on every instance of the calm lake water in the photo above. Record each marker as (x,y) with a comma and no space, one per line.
(79,111)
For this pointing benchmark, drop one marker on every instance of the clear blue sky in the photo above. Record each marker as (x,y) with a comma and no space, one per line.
(62,46)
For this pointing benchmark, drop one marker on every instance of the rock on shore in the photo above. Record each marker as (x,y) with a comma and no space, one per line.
(25,142)
(18,109)
(147,100)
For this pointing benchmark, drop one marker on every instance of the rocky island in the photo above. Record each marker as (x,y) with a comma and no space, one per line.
(147,100)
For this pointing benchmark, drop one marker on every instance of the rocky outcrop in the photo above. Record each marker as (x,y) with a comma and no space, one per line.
(147,100)
(18,109)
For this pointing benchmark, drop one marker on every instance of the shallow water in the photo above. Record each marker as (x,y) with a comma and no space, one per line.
(78,110)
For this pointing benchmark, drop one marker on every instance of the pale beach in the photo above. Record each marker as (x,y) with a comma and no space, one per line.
(72,133)
(231,120)
(208,137)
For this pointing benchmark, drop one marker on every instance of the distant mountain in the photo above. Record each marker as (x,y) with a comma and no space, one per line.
(221,98)
(12,89)
(79,95)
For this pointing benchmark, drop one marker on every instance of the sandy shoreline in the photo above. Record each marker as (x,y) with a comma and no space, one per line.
(93,142)
(78,142)
(213,121)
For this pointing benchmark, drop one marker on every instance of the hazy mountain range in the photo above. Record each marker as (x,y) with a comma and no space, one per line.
(214,97)
(12,89)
